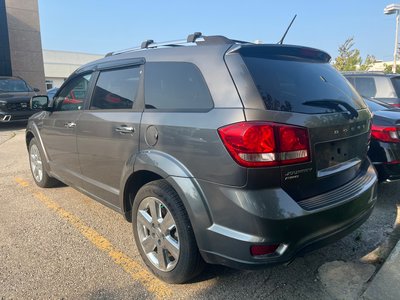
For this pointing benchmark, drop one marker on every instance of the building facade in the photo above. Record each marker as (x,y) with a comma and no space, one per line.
(20,42)
(58,65)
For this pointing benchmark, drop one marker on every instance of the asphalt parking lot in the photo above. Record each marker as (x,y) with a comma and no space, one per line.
(57,243)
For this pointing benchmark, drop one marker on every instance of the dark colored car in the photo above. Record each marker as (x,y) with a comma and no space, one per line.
(384,151)
(216,150)
(379,86)
(15,95)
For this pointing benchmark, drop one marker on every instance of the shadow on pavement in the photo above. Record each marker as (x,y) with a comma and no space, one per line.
(382,252)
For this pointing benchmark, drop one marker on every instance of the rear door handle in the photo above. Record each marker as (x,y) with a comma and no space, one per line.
(70,125)
(124,129)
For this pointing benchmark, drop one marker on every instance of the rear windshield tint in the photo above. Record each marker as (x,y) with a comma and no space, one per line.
(376,106)
(299,85)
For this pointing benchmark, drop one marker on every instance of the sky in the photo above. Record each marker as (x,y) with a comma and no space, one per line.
(101,26)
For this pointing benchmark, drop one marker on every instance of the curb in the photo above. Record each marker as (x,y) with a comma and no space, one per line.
(386,283)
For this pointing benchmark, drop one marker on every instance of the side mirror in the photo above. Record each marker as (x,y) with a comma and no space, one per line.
(39,103)
(36,90)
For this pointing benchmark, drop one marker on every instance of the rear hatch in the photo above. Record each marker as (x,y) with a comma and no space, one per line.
(293,85)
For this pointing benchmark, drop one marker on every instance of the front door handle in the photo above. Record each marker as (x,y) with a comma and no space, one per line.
(70,125)
(124,129)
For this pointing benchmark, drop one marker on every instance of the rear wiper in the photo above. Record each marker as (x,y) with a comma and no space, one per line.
(338,105)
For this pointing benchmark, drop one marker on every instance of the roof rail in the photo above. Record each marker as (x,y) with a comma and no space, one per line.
(193,37)
(146,44)
(196,38)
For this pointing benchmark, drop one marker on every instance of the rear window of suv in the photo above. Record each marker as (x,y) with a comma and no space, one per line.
(298,84)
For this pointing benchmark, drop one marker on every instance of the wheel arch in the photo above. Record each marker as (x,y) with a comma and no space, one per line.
(150,166)
(32,131)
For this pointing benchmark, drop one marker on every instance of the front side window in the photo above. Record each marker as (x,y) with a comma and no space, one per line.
(73,95)
(116,89)
(175,86)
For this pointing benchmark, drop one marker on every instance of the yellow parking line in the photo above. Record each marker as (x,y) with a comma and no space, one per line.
(21,182)
(158,288)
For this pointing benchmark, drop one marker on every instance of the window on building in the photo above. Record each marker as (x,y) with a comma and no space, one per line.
(49,84)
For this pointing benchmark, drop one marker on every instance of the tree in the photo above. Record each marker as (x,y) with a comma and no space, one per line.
(348,58)
(368,63)
(388,68)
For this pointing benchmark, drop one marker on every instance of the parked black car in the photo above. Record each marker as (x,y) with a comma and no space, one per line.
(384,150)
(216,150)
(15,94)
(376,85)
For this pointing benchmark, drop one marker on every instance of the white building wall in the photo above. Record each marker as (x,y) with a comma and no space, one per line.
(58,65)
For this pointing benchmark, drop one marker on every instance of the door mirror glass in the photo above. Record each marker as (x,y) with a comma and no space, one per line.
(39,102)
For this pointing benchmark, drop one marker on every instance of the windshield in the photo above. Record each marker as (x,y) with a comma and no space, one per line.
(13,85)
(290,85)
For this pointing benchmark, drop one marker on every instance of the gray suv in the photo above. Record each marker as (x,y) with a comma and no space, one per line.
(216,150)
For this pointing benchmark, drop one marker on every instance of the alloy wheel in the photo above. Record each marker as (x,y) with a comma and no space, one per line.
(36,163)
(158,233)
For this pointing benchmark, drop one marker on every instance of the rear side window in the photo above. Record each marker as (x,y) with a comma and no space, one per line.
(175,86)
(365,86)
(396,85)
(116,89)
(300,85)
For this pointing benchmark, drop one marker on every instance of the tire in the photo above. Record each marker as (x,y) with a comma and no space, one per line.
(179,260)
(38,171)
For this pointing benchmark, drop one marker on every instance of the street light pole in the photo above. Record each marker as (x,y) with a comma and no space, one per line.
(396,45)
(389,10)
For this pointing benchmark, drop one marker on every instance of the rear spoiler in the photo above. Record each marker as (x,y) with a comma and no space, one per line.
(290,52)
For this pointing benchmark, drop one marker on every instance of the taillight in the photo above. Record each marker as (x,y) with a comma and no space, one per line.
(261,144)
(395,104)
(257,250)
(385,133)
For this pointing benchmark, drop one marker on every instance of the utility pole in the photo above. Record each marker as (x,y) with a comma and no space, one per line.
(389,10)
(396,43)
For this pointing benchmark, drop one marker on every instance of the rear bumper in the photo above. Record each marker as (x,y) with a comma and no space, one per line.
(388,172)
(386,159)
(243,218)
